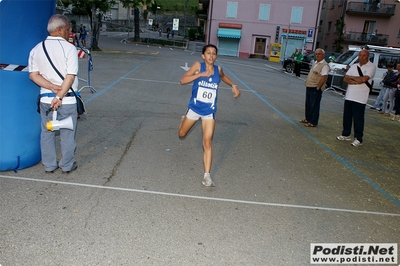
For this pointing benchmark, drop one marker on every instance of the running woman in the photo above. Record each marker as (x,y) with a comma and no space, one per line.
(203,103)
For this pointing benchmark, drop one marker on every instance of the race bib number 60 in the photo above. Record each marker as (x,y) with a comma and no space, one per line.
(206,95)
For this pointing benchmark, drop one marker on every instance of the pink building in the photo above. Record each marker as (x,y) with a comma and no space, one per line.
(247,28)
(375,22)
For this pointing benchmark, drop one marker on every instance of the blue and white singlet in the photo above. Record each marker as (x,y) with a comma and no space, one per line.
(205,93)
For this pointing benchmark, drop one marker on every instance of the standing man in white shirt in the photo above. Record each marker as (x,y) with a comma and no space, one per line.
(356,97)
(55,94)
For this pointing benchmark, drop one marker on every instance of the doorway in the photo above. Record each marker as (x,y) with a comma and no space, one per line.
(260,45)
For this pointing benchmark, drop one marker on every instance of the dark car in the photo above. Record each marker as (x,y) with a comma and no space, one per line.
(167,26)
(305,65)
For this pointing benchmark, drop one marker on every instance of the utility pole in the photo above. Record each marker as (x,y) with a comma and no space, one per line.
(210,13)
(156,14)
(129,20)
(184,24)
(287,37)
(314,44)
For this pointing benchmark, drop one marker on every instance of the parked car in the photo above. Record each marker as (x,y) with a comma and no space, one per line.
(166,26)
(305,66)
(107,17)
(380,56)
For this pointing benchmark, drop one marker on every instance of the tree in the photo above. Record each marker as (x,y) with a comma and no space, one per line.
(135,4)
(339,35)
(154,7)
(91,6)
(145,14)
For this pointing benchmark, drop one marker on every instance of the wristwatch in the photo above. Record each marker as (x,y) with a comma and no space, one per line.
(59,98)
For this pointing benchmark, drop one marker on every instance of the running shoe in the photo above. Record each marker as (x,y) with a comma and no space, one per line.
(347,138)
(207,181)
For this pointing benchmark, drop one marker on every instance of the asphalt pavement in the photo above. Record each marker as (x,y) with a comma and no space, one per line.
(137,198)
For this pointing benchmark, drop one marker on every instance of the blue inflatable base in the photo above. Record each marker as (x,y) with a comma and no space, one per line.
(19,122)
(23,24)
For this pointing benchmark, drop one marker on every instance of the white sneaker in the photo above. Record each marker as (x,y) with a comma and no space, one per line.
(356,143)
(207,181)
(347,138)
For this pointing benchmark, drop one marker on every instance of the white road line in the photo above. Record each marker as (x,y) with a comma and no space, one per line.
(316,208)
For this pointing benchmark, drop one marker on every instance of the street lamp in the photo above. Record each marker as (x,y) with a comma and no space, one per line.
(156,13)
(158,24)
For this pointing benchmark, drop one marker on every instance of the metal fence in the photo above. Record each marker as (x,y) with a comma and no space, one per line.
(335,80)
(85,67)
(195,47)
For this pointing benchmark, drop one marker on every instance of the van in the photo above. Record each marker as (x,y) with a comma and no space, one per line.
(380,56)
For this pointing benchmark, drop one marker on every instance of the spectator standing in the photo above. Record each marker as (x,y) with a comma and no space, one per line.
(295,52)
(55,92)
(83,36)
(74,30)
(80,31)
(356,98)
(397,103)
(298,60)
(168,32)
(292,56)
(386,76)
(315,85)
(312,61)
(390,93)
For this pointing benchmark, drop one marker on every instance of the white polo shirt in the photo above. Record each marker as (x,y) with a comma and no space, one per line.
(359,93)
(64,57)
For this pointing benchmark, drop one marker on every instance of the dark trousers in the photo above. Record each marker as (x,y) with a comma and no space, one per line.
(397,103)
(313,103)
(353,111)
(297,68)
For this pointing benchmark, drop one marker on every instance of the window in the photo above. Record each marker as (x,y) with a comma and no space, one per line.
(369,26)
(329,27)
(297,14)
(231,11)
(264,12)
(332,4)
(385,59)
(398,34)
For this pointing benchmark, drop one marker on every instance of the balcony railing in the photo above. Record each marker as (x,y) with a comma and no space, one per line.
(384,10)
(366,38)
